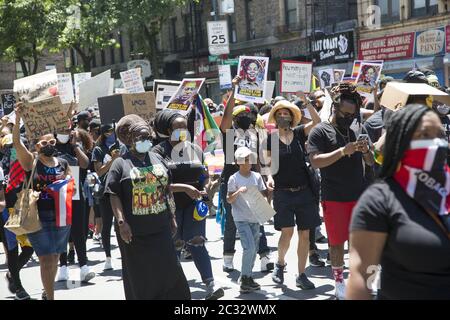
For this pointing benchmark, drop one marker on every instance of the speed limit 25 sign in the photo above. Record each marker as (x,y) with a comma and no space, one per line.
(218,37)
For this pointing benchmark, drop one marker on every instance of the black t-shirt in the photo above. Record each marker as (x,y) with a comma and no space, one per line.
(343,181)
(44,176)
(416,257)
(291,166)
(240,138)
(102,155)
(186,168)
(374,126)
(142,188)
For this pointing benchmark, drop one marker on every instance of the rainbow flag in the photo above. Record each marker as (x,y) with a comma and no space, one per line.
(205,126)
(62,191)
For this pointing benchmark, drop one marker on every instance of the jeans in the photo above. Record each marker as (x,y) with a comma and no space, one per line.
(189,229)
(249,233)
(229,236)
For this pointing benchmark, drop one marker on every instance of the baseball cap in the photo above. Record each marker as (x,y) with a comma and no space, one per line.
(242,153)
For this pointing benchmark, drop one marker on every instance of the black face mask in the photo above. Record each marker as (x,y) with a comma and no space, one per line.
(344,122)
(48,150)
(244,122)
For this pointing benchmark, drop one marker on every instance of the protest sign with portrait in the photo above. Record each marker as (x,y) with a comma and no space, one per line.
(253,72)
(185,94)
(369,74)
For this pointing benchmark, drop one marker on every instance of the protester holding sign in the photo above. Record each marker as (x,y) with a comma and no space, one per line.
(51,240)
(334,149)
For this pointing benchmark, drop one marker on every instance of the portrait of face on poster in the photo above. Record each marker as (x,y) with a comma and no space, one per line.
(253,71)
(339,75)
(369,74)
(184,95)
(326,77)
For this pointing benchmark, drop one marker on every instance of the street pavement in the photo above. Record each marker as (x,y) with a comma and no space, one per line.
(107,285)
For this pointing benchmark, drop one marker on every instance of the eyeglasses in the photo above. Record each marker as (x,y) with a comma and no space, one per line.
(44,143)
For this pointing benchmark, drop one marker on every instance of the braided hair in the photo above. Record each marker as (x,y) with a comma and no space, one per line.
(400,130)
(346,92)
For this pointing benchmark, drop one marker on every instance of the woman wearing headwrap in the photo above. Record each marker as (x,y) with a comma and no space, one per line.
(140,190)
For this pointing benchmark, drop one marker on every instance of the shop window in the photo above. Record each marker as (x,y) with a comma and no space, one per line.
(420,8)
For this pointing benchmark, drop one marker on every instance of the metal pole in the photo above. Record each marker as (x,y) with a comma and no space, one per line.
(214,5)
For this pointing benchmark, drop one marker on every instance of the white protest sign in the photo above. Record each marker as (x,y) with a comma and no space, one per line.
(78,78)
(132,81)
(268,92)
(94,88)
(76,176)
(224,77)
(295,76)
(218,42)
(259,206)
(65,87)
(37,87)
(164,90)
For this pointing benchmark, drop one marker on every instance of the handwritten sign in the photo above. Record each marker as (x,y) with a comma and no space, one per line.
(295,76)
(44,117)
(37,87)
(65,87)
(142,104)
(132,81)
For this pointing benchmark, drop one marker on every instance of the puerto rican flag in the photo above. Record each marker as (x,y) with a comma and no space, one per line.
(62,191)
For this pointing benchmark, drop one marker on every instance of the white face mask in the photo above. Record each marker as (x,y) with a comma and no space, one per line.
(63,138)
(143,146)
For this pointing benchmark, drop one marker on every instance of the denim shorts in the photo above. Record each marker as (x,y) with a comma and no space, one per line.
(50,239)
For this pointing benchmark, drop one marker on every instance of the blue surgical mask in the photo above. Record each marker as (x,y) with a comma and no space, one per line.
(110,140)
(143,146)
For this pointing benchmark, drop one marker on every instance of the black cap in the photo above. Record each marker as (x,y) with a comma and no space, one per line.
(106,127)
(84,115)
(95,123)
(415,76)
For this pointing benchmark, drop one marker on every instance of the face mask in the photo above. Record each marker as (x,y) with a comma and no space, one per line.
(110,140)
(344,122)
(48,150)
(443,109)
(63,138)
(244,122)
(143,146)
(424,175)
(284,122)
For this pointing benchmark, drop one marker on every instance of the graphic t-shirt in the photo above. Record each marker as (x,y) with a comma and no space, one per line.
(142,187)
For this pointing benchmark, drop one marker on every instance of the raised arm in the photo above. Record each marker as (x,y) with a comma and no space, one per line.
(24,156)
(315,119)
(227,119)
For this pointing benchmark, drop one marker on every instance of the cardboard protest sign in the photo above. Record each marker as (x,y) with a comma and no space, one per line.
(258,205)
(44,117)
(132,81)
(326,77)
(113,108)
(79,78)
(369,74)
(65,87)
(253,72)
(94,88)
(37,87)
(338,75)
(295,76)
(396,94)
(164,90)
(184,95)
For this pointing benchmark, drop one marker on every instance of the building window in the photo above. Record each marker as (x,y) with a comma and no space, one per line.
(232,28)
(420,8)
(122,55)
(251,34)
(291,12)
(173,34)
(187,32)
(103,57)
(390,10)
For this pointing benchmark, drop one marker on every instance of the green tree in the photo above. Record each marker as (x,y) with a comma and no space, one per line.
(28,29)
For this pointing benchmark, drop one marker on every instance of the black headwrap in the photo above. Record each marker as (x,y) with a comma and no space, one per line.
(163,122)
(128,125)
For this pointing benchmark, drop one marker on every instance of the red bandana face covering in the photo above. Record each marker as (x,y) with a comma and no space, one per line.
(425,176)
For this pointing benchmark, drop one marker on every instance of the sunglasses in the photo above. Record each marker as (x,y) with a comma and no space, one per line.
(44,143)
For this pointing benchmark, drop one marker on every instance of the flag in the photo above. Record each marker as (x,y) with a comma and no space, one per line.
(204,126)
(62,192)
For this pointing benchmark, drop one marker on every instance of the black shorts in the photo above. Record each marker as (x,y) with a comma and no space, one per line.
(97,212)
(295,208)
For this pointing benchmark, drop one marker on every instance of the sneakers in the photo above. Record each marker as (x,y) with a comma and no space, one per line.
(44,295)
(21,294)
(340,290)
(71,257)
(11,286)
(213,292)
(320,238)
(63,274)
(278,274)
(248,285)
(97,237)
(266,264)
(303,282)
(86,274)
(108,264)
(314,260)
(228,263)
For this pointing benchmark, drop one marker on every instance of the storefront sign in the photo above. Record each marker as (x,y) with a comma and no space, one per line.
(387,48)
(335,48)
(430,43)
